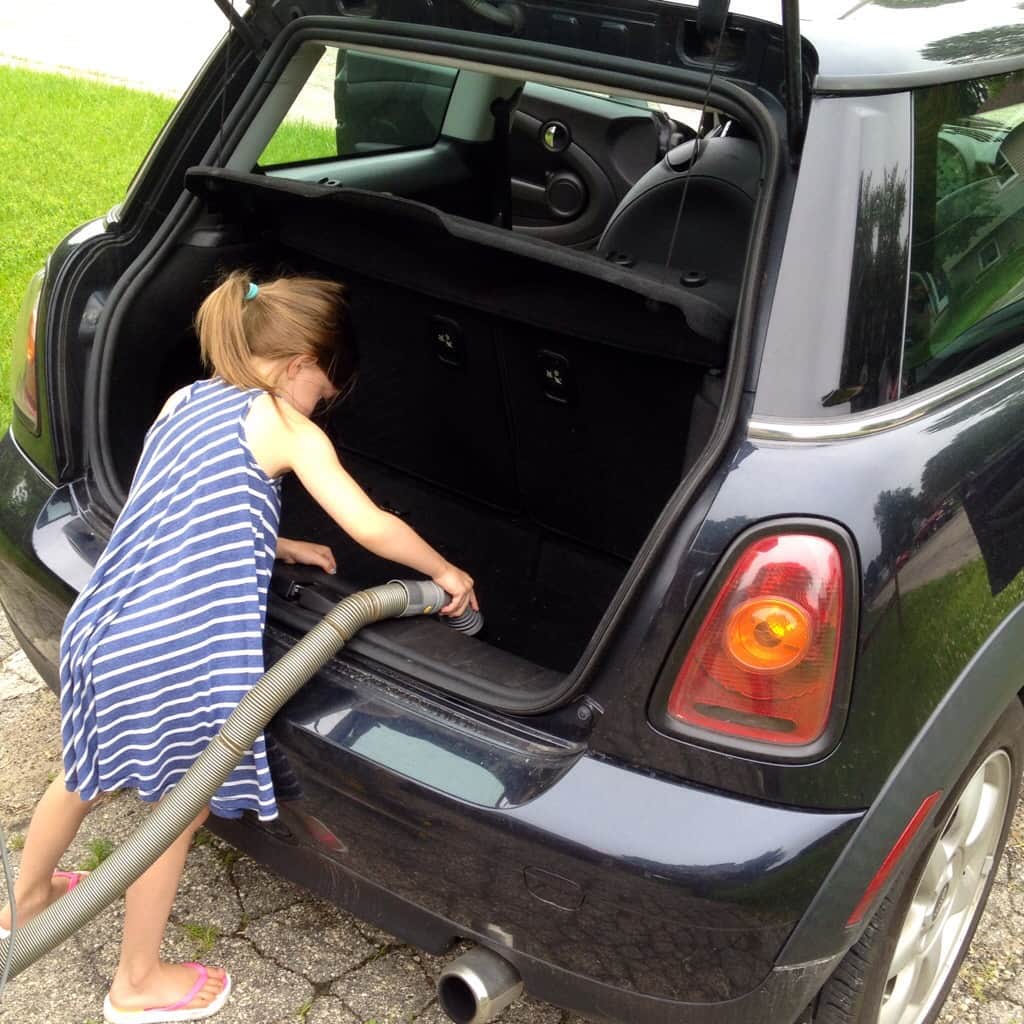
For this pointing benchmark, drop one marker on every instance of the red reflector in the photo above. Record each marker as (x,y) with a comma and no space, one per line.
(893,859)
(763,663)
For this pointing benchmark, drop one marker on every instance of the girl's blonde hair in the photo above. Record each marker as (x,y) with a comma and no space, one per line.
(285,317)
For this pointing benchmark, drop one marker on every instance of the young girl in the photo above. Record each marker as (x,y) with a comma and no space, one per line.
(166,637)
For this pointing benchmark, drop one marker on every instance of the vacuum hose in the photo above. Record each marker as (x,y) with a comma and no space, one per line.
(211,769)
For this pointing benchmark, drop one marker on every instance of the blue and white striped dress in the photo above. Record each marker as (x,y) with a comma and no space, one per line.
(167,635)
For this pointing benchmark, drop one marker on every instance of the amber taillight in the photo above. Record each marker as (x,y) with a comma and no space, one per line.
(763,663)
(24,369)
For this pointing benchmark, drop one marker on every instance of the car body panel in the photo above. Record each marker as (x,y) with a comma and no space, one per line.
(410,780)
(912,629)
(875,45)
(33,598)
(934,761)
(585,864)
(779,998)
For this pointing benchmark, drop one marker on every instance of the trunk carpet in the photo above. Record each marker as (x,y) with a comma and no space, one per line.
(541,595)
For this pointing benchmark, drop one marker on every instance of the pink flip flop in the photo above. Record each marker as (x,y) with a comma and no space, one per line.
(174,1012)
(73,877)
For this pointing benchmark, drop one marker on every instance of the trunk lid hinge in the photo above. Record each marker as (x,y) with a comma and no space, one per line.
(257,41)
(711,15)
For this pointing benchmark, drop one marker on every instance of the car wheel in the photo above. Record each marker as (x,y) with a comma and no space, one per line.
(903,966)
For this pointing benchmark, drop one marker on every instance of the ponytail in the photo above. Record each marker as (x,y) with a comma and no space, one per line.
(243,318)
(222,341)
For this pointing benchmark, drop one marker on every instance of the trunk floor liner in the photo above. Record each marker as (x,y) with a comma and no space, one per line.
(541,595)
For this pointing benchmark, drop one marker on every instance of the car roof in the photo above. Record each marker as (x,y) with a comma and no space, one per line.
(883,45)
(861,45)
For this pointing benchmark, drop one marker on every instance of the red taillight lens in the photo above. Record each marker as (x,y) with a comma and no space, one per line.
(763,663)
(24,372)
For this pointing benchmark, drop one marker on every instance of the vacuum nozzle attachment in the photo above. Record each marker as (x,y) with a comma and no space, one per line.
(427,598)
(469,622)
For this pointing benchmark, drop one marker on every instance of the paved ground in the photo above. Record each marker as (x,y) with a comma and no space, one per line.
(294,958)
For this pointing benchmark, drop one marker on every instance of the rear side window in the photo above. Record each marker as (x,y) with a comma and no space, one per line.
(357,104)
(966,297)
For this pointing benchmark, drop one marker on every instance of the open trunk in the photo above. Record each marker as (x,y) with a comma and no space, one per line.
(528,408)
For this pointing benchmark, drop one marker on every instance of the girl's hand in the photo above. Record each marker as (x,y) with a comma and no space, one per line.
(302,552)
(460,585)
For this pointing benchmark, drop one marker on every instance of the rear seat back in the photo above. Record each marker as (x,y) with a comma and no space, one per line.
(429,398)
(584,439)
(600,434)
(517,373)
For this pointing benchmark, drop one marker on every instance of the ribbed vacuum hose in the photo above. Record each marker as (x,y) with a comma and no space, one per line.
(211,769)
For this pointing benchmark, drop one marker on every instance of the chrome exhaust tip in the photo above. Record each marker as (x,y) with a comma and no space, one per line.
(478,986)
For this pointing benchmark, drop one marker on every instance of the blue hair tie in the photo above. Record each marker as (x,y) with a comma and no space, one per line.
(253,290)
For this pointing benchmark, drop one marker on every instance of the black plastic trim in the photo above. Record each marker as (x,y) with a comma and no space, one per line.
(421,649)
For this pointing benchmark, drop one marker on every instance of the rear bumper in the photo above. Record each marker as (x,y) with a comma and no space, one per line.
(623,896)
(34,598)
(618,894)
(778,998)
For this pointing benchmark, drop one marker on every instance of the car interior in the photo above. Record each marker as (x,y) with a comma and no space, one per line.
(542,282)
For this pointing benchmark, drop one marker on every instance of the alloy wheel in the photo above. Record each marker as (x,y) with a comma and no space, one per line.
(939,918)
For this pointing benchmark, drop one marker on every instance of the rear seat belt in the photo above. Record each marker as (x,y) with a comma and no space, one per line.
(502,110)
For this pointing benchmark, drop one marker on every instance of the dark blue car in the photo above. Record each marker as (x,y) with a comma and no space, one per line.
(697,335)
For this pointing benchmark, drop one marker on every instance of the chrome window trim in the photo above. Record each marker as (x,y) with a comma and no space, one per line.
(906,410)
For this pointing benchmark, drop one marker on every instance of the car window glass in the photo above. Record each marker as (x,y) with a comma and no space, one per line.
(689,116)
(358,104)
(966,295)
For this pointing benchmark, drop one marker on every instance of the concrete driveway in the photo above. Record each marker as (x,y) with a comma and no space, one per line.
(293,957)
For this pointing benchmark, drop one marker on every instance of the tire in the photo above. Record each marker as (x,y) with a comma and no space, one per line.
(868,986)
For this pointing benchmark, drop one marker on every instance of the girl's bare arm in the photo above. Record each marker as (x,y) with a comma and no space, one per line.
(283,439)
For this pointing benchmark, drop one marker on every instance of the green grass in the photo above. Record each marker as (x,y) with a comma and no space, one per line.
(203,936)
(68,150)
(224,852)
(15,841)
(299,140)
(203,838)
(99,851)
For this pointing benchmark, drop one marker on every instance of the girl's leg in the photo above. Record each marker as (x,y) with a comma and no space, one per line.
(142,979)
(55,822)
